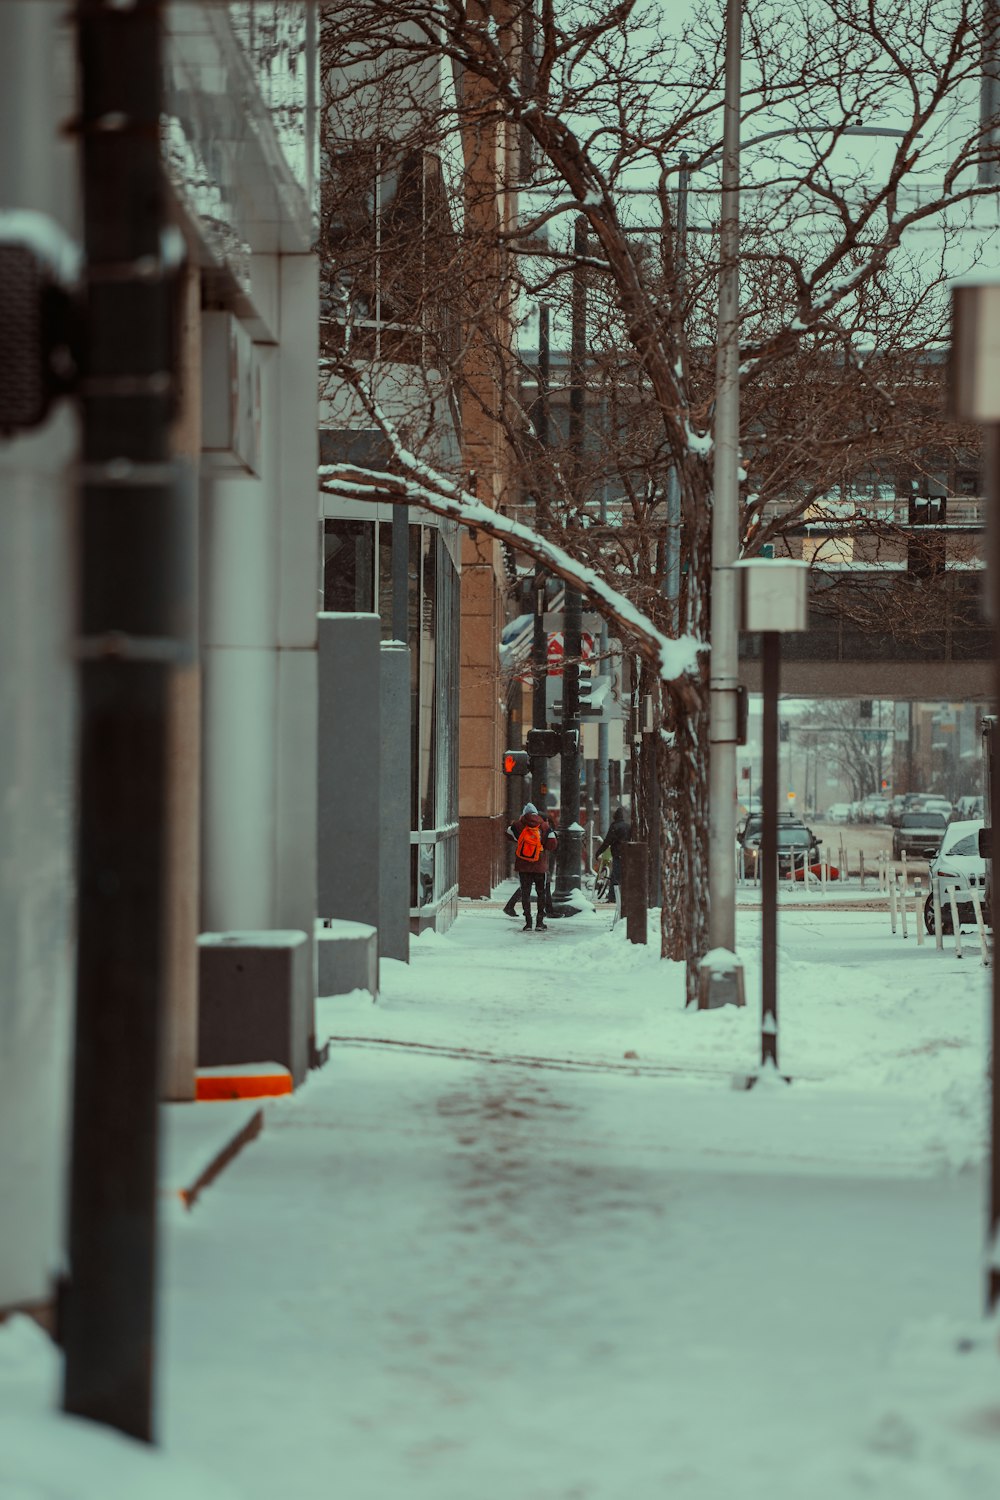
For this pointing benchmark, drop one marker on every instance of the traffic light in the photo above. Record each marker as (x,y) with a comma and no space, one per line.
(543,742)
(516,763)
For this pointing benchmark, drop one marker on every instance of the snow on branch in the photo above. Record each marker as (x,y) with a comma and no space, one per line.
(421,485)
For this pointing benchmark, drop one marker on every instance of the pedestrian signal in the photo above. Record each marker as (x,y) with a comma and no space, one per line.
(516,763)
(543,742)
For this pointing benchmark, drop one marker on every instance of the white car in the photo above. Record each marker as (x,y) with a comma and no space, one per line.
(838,813)
(958,863)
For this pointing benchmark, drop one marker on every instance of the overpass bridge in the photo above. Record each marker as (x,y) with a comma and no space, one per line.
(880,631)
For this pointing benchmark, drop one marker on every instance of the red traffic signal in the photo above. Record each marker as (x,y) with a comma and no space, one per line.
(516,763)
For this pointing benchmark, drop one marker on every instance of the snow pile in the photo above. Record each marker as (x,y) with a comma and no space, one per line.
(47,1456)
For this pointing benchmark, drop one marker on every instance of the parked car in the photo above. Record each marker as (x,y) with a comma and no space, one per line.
(908,802)
(935,804)
(878,809)
(839,812)
(959,863)
(754,822)
(969,807)
(919,833)
(795,841)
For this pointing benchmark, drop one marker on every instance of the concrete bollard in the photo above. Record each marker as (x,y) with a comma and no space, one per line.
(892,903)
(936,901)
(902,902)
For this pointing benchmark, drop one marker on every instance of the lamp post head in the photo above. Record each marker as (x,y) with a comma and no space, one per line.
(773,594)
(974,375)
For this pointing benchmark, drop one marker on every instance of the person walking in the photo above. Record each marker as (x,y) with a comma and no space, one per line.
(615,840)
(533,841)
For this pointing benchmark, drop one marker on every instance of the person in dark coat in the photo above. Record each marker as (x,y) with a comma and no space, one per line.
(532,871)
(615,839)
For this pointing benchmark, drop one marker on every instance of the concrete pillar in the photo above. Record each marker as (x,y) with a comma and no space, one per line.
(481,783)
(260,576)
(349,808)
(394,813)
(37,696)
(260,572)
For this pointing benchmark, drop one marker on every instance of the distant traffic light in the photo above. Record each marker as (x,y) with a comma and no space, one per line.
(543,742)
(516,763)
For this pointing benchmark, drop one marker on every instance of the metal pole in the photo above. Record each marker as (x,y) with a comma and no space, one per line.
(989,91)
(770,683)
(570,833)
(991,447)
(539,638)
(603,736)
(725,524)
(131,602)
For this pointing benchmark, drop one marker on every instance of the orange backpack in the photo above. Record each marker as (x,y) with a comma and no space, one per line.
(529,843)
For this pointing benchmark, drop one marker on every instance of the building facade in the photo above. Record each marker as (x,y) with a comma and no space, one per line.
(239,148)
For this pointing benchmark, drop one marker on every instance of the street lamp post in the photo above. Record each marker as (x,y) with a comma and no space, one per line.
(975,397)
(723,682)
(570,876)
(772,594)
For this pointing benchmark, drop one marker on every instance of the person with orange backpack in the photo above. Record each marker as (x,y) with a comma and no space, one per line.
(533,841)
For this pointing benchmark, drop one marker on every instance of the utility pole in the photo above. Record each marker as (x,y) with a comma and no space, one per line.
(989,92)
(725,523)
(134,628)
(539,638)
(570,833)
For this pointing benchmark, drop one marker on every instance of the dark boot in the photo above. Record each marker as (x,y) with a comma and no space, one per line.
(539,924)
(527,922)
(510,910)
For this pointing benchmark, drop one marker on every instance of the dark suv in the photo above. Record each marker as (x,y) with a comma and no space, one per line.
(919,833)
(795,841)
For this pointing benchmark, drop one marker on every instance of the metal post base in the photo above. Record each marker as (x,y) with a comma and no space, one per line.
(717,987)
(742,1082)
(563,906)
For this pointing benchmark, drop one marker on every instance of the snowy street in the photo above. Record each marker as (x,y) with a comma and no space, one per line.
(489,1252)
(447,1275)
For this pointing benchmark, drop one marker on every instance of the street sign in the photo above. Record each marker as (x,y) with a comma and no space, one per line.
(876,734)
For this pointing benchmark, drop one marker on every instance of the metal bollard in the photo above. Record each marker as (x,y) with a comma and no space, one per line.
(892,901)
(902,899)
(938,934)
(955,921)
(984,948)
(861,867)
(918,916)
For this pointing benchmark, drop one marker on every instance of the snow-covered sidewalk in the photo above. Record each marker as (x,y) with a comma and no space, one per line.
(521,1240)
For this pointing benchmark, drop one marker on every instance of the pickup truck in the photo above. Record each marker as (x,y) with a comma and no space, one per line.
(919,833)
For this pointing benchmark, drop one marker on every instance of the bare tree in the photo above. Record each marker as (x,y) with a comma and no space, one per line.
(524,117)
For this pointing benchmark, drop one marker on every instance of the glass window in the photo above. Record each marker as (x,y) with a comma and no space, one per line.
(349,566)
